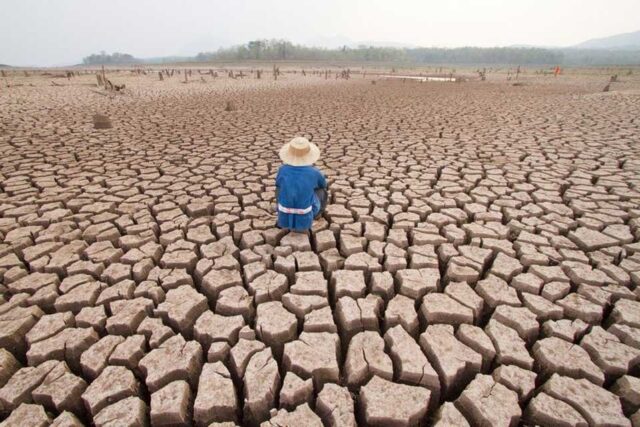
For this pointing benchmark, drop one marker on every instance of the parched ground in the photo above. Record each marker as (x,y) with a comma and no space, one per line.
(478,263)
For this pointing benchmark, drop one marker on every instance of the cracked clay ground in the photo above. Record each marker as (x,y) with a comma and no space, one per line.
(478,263)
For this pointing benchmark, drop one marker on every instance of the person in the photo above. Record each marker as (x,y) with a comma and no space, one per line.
(301,189)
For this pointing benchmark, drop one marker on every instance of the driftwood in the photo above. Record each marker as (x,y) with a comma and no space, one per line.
(98,92)
(106,83)
(114,88)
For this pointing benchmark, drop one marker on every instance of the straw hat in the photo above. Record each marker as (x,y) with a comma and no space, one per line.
(299,152)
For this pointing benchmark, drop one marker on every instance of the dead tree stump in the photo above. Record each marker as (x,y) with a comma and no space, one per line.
(100,121)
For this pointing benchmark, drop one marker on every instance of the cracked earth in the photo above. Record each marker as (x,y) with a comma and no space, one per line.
(478,262)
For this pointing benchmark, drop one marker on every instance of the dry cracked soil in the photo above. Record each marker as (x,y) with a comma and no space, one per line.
(478,262)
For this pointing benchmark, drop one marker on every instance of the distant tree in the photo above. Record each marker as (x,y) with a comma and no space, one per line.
(104,58)
(255,47)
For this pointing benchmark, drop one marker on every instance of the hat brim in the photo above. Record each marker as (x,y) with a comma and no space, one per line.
(307,159)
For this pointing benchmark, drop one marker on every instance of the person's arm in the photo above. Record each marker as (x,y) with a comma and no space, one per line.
(278,177)
(278,183)
(322,181)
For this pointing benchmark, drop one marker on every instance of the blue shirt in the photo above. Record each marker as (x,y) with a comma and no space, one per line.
(296,185)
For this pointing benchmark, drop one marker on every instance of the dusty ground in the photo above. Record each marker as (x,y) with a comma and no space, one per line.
(478,263)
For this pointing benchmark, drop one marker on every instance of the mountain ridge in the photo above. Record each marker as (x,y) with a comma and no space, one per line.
(622,41)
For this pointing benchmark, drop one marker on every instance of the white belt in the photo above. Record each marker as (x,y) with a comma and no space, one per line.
(294,210)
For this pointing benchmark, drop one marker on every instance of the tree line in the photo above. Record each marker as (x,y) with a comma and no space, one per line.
(283,50)
(274,50)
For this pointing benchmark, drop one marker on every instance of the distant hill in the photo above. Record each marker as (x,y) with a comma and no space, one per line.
(626,41)
(5,66)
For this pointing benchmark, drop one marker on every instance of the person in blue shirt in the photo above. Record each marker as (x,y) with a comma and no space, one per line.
(301,189)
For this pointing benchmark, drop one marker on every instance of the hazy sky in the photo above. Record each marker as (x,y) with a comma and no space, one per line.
(61,32)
